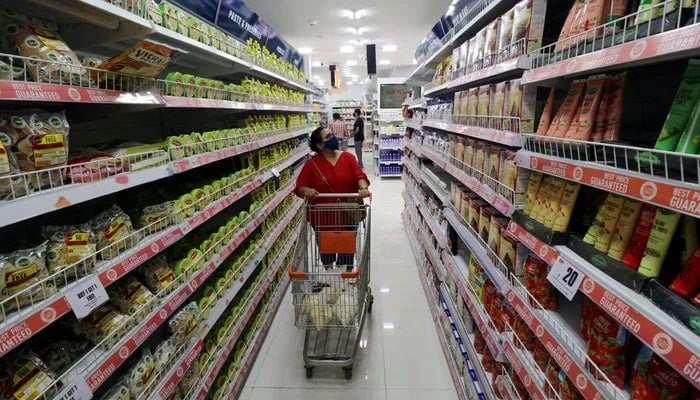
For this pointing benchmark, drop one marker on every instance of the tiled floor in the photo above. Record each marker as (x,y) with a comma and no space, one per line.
(400,356)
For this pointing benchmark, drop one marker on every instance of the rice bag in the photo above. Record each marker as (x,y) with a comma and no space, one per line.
(344,309)
(50,58)
(25,377)
(140,376)
(20,270)
(129,295)
(110,227)
(68,245)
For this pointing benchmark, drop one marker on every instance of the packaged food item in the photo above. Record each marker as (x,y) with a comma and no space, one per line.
(678,116)
(20,270)
(157,275)
(546,118)
(533,187)
(662,231)
(607,342)
(101,323)
(505,35)
(183,323)
(567,390)
(568,24)
(602,114)
(613,115)
(491,42)
(615,10)
(551,203)
(541,355)
(25,377)
(120,391)
(141,375)
(525,334)
(623,231)
(588,109)
(689,143)
(654,379)
(607,215)
(488,362)
(50,58)
(638,244)
(68,245)
(593,18)
(157,216)
(564,116)
(484,100)
(521,22)
(128,295)
(537,284)
(566,206)
(613,207)
(146,58)
(164,353)
(61,354)
(551,375)
(111,228)
(687,281)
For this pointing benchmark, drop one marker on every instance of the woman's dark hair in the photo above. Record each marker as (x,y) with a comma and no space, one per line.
(336,116)
(357,112)
(316,138)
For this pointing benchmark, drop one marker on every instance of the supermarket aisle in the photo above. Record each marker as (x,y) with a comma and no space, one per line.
(400,356)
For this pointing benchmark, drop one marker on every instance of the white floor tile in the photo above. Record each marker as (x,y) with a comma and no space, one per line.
(400,356)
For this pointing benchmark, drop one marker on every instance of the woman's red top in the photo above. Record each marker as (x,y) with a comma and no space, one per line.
(342,176)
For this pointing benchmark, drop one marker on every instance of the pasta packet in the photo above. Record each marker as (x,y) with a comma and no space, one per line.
(23,376)
(20,270)
(110,227)
(140,376)
(68,245)
(129,295)
(50,58)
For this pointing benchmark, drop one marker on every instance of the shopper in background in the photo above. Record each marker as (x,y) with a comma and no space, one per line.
(358,131)
(340,130)
(330,171)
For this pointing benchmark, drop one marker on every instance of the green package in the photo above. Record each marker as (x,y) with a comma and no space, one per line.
(690,141)
(679,114)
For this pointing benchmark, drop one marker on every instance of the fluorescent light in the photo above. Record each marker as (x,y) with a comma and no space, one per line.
(321,82)
(305,50)
(359,14)
(384,290)
(347,49)
(351,63)
(317,64)
(384,62)
(389,47)
(388,325)
(350,14)
(357,31)
(353,77)
(316,77)
(414,61)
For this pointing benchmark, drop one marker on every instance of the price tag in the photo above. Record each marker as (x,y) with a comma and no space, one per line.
(275,172)
(565,277)
(76,389)
(86,297)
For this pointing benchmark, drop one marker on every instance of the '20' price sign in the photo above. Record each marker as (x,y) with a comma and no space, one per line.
(566,277)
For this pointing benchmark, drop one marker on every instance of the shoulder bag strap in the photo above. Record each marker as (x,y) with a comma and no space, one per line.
(323,178)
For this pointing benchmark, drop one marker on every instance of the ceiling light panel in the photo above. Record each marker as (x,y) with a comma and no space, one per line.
(347,49)
(305,50)
(384,62)
(389,47)
(351,63)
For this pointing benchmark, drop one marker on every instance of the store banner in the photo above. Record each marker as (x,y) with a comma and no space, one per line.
(205,9)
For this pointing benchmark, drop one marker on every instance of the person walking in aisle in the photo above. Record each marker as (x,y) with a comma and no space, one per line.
(330,171)
(358,131)
(340,130)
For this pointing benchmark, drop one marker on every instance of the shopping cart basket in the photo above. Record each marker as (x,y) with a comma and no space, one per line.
(330,281)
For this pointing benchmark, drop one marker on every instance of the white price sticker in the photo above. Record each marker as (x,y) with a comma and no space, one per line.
(565,277)
(275,172)
(76,389)
(86,297)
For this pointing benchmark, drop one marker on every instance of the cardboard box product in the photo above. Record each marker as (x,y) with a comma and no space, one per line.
(486,213)
(459,152)
(497,225)
(512,253)
(465,206)
(468,159)
(475,206)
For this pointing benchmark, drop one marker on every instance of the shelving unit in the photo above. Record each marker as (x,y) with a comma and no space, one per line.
(215,165)
(653,51)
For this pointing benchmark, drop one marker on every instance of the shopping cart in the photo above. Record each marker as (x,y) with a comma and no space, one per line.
(330,281)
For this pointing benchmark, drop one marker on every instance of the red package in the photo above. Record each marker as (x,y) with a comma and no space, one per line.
(509,314)
(585,317)
(496,311)
(654,379)
(607,342)
(479,342)
(537,284)
(525,334)
(551,373)
(518,385)
(541,355)
(567,391)
(488,361)
(499,369)
(489,293)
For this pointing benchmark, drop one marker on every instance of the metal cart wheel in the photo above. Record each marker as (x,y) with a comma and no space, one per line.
(348,372)
(309,372)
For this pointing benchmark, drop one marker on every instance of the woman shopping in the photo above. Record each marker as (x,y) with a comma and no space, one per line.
(331,171)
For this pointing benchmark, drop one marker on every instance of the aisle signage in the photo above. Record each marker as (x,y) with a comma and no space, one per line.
(76,389)
(87,296)
(566,277)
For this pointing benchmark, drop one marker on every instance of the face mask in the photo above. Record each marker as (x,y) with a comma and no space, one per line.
(332,143)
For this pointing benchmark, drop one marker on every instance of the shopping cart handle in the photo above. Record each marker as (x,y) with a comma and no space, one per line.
(351,275)
(295,275)
(340,195)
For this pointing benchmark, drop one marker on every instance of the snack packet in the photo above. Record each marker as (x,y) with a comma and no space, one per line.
(20,270)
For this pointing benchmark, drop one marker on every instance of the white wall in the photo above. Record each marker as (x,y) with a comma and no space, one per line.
(352,92)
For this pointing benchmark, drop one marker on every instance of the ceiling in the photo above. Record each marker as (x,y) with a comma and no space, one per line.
(321,26)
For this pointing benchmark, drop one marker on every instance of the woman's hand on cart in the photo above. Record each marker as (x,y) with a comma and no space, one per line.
(308,192)
(364,193)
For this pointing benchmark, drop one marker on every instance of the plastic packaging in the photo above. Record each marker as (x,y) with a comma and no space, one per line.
(521,24)
(613,207)
(613,114)
(638,243)
(564,116)
(588,109)
(20,270)
(50,58)
(146,58)
(68,245)
(537,284)
(546,118)
(602,113)
(111,227)
(654,379)
(566,206)
(533,187)
(631,209)
(606,345)
(687,282)
(128,295)
(140,376)
(505,35)
(689,143)
(664,226)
